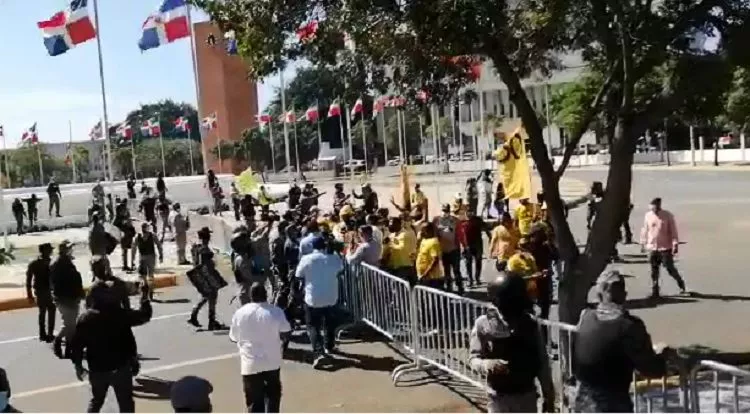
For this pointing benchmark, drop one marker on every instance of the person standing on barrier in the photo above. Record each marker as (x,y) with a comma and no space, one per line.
(659,237)
(611,344)
(446,226)
(319,272)
(506,346)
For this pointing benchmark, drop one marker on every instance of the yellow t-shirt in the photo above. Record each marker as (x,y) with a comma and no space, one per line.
(429,253)
(403,249)
(504,242)
(522,263)
(525,217)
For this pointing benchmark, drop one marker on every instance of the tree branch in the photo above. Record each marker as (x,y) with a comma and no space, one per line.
(587,119)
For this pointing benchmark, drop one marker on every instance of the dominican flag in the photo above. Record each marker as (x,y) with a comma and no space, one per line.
(423,96)
(125,131)
(308,31)
(167,24)
(68,155)
(378,107)
(263,119)
(151,128)
(67,29)
(290,117)
(30,135)
(311,115)
(334,109)
(209,122)
(396,102)
(358,107)
(182,124)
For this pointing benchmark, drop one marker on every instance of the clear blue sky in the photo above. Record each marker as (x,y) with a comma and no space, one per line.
(35,87)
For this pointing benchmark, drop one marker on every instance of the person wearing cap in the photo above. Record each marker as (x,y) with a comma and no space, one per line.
(505,345)
(54,194)
(319,272)
(38,278)
(104,337)
(369,197)
(101,242)
(339,196)
(419,200)
(191,394)
(5,394)
(125,224)
(203,257)
(524,216)
(446,226)
(147,245)
(260,330)
(181,224)
(660,238)
(67,292)
(609,346)
(18,213)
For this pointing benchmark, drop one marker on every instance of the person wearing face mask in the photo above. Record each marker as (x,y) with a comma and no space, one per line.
(5,406)
(659,237)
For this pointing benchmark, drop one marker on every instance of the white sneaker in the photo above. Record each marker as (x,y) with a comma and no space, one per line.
(318,361)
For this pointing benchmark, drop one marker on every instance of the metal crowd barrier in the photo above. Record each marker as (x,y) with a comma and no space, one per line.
(740,396)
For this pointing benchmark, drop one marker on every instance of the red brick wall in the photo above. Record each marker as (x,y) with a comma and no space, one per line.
(225,89)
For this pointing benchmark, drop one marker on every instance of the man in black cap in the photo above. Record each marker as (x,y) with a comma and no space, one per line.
(505,344)
(610,344)
(67,291)
(104,334)
(38,277)
(191,395)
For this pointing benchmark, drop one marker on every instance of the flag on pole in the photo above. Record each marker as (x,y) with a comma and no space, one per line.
(30,135)
(378,107)
(396,102)
(151,128)
(68,155)
(513,167)
(311,115)
(125,131)
(96,132)
(182,124)
(290,117)
(308,31)
(423,96)
(67,29)
(263,119)
(209,122)
(166,25)
(334,109)
(357,108)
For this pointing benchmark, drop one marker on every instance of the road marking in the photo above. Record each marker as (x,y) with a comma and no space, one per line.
(162,368)
(33,338)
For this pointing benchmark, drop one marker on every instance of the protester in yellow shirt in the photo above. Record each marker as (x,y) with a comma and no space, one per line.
(504,242)
(401,250)
(419,200)
(524,264)
(429,267)
(524,216)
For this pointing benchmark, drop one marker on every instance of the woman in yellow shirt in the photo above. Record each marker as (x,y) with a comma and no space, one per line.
(524,213)
(504,242)
(429,266)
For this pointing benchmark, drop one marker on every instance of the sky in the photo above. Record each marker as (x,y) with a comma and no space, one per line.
(56,91)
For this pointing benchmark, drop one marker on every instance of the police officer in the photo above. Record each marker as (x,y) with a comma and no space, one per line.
(610,344)
(31,208)
(18,213)
(67,291)
(148,206)
(54,194)
(38,278)
(506,345)
(203,257)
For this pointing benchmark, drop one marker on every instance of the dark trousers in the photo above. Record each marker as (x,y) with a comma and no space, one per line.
(236,208)
(317,321)
(47,311)
(627,233)
(262,391)
(19,224)
(657,258)
(211,300)
(54,203)
(121,380)
(473,204)
(32,217)
(452,270)
(473,261)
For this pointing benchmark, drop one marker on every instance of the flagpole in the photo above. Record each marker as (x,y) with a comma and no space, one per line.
(190,149)
(435,148)
(286,128)
(398,132)
(221,160)
(132,154)
(70,151)
(320,136)
(296,146)
(161,144)
(403,135)
(341,134)
(104,96)
(349,137)
(381,121)
(273,151)
(39,157)
(197,93)
(456,122)
(364,137)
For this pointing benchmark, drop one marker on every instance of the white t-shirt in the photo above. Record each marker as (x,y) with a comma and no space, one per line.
(256,328)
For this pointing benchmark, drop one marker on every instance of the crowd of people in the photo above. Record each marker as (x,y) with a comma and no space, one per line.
(288,269)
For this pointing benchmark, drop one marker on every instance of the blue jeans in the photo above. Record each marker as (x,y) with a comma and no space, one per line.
(318,320)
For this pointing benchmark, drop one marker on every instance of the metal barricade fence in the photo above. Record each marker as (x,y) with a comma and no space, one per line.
(558,339)
(717,384)
(671,390)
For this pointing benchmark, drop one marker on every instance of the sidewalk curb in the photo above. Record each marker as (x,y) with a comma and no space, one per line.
(160,281)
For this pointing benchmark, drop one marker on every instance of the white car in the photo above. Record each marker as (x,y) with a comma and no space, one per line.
(393,162)
(355,165)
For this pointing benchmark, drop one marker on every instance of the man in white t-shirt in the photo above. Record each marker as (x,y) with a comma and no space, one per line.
(260,329)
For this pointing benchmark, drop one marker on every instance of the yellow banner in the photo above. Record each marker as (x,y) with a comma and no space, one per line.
(513,166)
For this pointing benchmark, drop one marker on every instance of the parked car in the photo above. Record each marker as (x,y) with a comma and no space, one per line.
(356,165)
(393,162)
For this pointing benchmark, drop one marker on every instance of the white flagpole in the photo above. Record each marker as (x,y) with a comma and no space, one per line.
(286,128)
(398,131)
(273,151)
(456,119)
(296,147)
(104,96)
(190,149)
(381,121)
(482,134)
(132,154)
(317,121)
(435,148)
(403,136)
(197,94)
(70,151)
(349,136)
(364,137)
(39,157)
(341,134)
(161,144)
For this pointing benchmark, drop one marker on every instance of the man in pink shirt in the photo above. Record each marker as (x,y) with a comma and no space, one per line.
(659,237)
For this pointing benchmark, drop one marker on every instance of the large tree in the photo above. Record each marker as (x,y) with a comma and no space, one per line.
(432,44)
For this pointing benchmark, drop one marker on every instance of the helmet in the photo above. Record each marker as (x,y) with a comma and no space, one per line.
(508,292)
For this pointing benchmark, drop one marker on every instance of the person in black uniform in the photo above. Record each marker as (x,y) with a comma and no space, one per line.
(125,224)
(505,344)
(148,207)
(295,193)
(370,198)
(31,208)
(54,194)
(203,256)
(38,279)
(161,186)
(18,213)
(130,184)
(163,207)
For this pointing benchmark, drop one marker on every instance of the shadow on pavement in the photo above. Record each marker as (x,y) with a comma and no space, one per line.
(172,301)
(726,298)
(650,303)
(151,388)
(145,358)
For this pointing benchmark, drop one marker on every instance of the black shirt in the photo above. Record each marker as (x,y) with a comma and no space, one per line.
(65,280)
(148,205)
(107,336)
(38,275)
(160,185)
(53,189)
(31,203)
(131,188)
(17,208)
